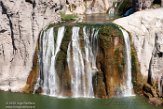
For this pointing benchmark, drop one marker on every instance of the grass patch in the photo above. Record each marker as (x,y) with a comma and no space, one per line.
(68,17)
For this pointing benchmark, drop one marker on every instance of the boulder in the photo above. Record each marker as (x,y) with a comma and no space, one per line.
(148,89)
(155,101)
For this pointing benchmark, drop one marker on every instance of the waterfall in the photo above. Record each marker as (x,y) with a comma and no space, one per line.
(82,63)
(111,12)
(76,64)
(68,61)
(48,79)
(128,91)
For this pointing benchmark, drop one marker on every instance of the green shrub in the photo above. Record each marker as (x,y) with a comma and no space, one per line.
(68,17)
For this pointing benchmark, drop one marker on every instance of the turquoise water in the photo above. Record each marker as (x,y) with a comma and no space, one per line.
(10,100)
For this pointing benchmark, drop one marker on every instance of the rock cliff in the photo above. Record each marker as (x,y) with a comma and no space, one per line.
(23,20)
(21,23)
(146,31)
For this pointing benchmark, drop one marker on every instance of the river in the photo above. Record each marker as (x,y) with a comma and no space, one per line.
(9,100)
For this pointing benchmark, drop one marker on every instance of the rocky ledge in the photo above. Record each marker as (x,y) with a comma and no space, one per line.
(146,28)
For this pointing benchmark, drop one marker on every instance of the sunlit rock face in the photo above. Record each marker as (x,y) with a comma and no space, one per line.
(108,6)
(146,4)
(90,6)
(21,23)
(146,31)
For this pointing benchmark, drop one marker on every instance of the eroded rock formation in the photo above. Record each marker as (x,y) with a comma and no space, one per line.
(23,20)
(146,31)
(105,74)
(21,23)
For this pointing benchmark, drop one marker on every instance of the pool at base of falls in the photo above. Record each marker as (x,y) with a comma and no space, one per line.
(19,100)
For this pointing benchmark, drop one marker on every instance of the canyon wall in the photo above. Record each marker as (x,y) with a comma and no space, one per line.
(23,20)
(90,6)
(104,6)
(145,28)
(21,23)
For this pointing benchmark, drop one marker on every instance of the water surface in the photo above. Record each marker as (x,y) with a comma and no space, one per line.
(10,100)
(98,18)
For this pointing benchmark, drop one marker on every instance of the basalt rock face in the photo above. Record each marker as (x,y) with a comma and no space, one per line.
(21,23)
(146,31)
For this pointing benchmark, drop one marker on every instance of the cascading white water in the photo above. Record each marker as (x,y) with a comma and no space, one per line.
(48,79)
(128,91)
(82,62)
(90,47)
(75,63)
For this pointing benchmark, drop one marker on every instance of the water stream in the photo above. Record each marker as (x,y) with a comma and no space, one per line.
(82,63)
(80,58)
(48,79)
(128,85)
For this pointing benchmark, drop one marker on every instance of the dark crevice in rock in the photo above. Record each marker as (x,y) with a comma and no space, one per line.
(33,27)
(4,11)
(136,5)
(157,2)
(12,59)
(149,81)
(31,2)
(33,18)
(2,31)
(59,8)
(67,2)
(156,53)
(54,6)
(160,55)
(95,83)
(104,78)
(3,52)
(105,82)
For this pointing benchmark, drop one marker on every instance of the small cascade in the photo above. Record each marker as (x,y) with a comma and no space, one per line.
(48,79)
(111,12)
(82,61)
(128,88)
